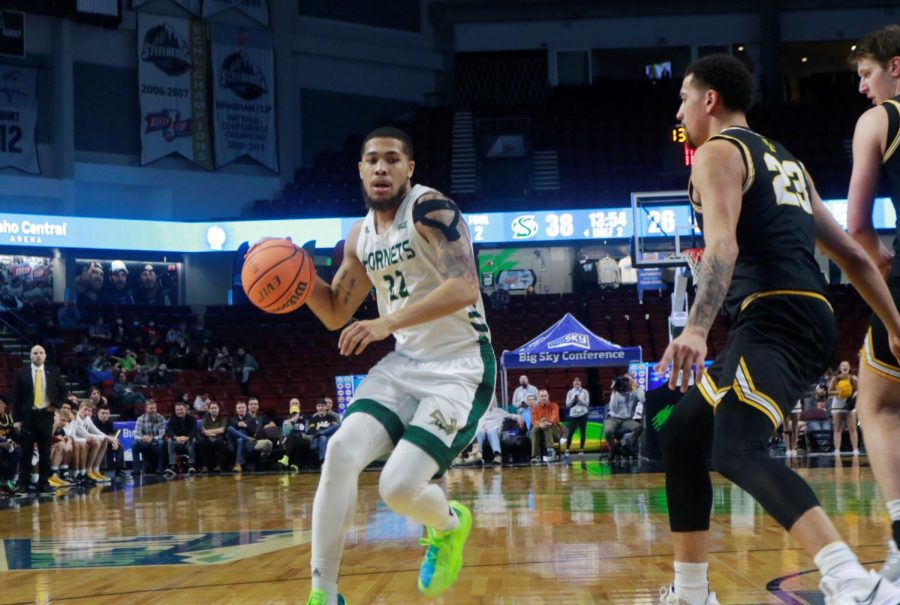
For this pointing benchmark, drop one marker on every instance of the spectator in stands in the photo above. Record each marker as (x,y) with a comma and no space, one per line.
(97,399)
(223,361)
(181,434)
(9,448)
(201,402)
(241,432)
(521,393)
(842,389)
(97,441)
(116,292)
(578,402)
(623,424)
(89,283)
(545,428)
(179,354)
(125,397)
(297,443)
(203,360)
(162,377)
(268,433)
(244,365)
(115,455)
(69,317)
(84,347)
(500,297)
(100,330)
(126,363)
(211,445)
(816,421)
(149,440)
(149,291)
(321,426)
(176,332)
(489,428)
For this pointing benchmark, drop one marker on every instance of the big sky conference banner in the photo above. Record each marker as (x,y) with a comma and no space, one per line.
(257,10)
(172,68)
(192,6)
(243,63)
(18,118)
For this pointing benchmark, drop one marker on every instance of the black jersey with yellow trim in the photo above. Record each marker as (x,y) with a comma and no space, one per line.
(890,169)
(776,235)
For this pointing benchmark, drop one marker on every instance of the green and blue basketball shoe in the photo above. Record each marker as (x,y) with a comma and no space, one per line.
(320,597)
(444,557)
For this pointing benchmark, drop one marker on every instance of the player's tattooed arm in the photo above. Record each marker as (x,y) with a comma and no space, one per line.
(441,223)
(713,278)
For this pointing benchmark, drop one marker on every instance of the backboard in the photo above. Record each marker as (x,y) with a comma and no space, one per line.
(664,225)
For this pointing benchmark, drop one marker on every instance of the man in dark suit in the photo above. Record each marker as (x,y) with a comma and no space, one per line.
(38,391)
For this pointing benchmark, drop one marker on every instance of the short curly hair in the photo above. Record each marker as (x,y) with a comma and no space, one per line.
(389,132)
(881,45)
(727,76)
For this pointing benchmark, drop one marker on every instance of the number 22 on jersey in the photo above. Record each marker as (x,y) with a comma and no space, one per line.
(789,183)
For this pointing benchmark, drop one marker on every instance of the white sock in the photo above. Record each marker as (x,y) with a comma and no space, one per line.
(326,580)
(893,508)
(96,470)
(837,560)
(691,583)
(562,442)
(452,522)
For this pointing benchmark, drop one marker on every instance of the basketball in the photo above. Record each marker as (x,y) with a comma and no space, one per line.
(844,388)
(278,276)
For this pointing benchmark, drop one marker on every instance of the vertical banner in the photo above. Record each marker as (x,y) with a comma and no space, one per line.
(12,34)
(172,81)
(18,117)
(257,10)
(192,6)
(243,63)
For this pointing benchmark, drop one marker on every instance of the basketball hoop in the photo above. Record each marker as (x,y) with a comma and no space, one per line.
(693,257)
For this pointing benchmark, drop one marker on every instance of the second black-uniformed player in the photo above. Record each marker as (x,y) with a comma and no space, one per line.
(761,219)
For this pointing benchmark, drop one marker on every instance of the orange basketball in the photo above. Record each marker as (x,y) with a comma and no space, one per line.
(278,276)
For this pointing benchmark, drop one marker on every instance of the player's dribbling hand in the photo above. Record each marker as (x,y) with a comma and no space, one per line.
(688,350)
(360,334)
(262,241)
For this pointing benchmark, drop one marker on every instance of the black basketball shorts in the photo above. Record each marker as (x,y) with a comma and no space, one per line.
(778,346)
(876,354)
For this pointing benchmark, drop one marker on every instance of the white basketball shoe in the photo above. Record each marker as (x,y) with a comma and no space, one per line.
(667,596)
(870,589)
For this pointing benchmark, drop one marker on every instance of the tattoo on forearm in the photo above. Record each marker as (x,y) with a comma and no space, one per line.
(714,278)
(349,290)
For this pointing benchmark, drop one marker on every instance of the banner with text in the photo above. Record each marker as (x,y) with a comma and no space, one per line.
(192,6)
(243,62)
(18,117)
(172,80)
(257,10)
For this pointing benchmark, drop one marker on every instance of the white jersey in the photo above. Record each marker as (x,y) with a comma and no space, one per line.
(402,266)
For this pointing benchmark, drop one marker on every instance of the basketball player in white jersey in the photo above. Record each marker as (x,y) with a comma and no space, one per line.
(422,402)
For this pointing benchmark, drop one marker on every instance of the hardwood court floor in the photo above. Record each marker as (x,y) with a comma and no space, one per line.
(574,535)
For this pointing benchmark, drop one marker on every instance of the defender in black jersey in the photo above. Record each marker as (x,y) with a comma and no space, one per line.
(876,159)
(761,218)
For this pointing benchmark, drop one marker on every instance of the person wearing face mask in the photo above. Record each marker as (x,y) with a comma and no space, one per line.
(521,394)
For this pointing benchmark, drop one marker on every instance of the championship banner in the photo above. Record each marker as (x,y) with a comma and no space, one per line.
(243,63)
(192,6)
(257,10)
(172,80)
(18,117)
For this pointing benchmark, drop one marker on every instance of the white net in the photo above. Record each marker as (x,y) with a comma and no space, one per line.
(693,256)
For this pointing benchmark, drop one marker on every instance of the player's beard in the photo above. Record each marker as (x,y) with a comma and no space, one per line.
(388,204)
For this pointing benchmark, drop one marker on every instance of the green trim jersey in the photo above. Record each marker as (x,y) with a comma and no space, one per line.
(403,267)
(776,235)
(890,170)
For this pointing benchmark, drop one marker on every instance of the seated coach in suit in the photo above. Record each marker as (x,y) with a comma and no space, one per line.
(38,391)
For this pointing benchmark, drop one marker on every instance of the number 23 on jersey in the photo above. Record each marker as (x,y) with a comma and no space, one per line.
(789,183)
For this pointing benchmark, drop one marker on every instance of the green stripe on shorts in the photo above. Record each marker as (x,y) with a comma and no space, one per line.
(432,445)
(391,421)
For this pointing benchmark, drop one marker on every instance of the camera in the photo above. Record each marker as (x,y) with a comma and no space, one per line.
(622,385)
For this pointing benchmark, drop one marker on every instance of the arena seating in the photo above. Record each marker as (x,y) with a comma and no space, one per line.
(298,357)
(607,148)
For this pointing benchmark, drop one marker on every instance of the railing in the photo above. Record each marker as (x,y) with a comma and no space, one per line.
(13,324)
